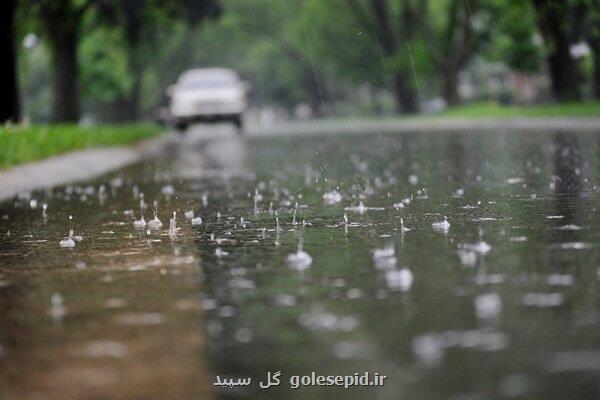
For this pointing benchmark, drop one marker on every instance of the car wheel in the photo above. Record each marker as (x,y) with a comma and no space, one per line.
(181,127)
(237,121)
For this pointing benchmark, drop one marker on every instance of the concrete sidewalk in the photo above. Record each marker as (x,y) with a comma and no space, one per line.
(75,166)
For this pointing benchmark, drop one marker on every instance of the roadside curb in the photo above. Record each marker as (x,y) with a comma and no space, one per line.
(75,166)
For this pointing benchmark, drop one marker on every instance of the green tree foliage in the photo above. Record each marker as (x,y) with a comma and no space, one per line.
(403,44)
(513,36)
(456,31)
(105,74)
(61,22)
(67,25)
(113,59)
(141,23)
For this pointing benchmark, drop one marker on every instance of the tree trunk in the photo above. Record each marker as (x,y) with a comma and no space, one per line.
(595,47)
(405,95)
(451,86)
(133,24)
(66,74)
(316,95)
(132,103)
(63,29)
(564,73)
(9,98)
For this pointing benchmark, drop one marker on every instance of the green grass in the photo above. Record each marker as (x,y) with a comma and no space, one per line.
(21,144)
(494,110)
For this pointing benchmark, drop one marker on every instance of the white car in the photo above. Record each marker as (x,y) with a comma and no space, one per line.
(208,95)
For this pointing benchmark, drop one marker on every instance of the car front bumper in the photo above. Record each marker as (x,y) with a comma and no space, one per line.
(207,110)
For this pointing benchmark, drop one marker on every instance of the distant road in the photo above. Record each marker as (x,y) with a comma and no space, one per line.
(429,124)
(89,163)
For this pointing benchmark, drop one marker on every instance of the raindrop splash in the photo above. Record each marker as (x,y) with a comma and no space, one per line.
(155,223)
(173,225)
(443,226)
(300,260)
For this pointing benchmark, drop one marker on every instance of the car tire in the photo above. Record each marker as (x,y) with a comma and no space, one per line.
(181,127)
(239,124)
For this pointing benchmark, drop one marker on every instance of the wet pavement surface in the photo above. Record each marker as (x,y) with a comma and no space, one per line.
(460,266)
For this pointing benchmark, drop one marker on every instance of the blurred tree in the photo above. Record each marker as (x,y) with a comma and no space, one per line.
(61,21)
(591,32)
(263,41)
(553,18)
(513,35)
(343,47)
(105,77)
(372,42)
(264,27)
(456,30)
(9,100)
(393,43)
(64,25)
(138,19)
(123,53)
(394,26)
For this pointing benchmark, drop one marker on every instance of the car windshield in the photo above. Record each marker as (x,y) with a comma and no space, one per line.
(207,80)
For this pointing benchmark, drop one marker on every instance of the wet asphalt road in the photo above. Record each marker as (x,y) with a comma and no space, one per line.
(359,274)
